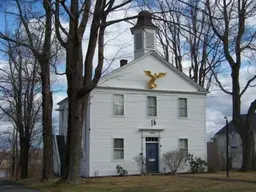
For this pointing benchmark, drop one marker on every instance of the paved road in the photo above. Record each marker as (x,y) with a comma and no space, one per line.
(11,186)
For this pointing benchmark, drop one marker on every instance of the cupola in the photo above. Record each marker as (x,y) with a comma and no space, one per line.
(144,33)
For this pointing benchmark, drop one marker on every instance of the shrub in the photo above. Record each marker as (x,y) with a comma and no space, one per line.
(121,171)
(141,161)
(173,159)
(233,154)
(197,165)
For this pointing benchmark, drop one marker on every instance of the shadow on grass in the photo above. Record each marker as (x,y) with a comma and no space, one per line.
(221,179)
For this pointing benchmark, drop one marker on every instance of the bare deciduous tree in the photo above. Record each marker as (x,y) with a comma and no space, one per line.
(185,36)
(170,31)
(230,21)
(80,83)
(19,84)
(11,141)
(38,25)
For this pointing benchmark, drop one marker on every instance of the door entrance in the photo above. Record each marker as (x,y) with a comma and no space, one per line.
(152,155)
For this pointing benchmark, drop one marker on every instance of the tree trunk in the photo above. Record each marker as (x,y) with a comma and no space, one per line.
(24,153)
(16,156)
(75,112)
(47,172)
(47,124)
(13,142)
(248,151)
(13,160)
(248,140)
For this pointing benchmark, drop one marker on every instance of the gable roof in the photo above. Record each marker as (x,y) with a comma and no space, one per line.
(161,59)
(232,128)
(169,65)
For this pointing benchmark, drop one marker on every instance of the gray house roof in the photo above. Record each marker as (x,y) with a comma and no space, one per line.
(232,128)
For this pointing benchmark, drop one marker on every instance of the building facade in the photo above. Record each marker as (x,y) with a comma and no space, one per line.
(146,107)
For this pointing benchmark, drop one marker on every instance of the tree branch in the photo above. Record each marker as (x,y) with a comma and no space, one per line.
(56,71)
(219,83)
(247,85)
(58,26)
(84,20)
(62,2)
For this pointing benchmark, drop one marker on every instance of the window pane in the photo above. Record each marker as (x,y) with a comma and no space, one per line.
(182,103)
(152,101)
(118,154)
(118,143)
(118,99)
(138,41)
(121,110)
(182,112)
(185,152)
(183,143)
(115,110)
(183,107)
(152,106)
(153,111)
(118,108)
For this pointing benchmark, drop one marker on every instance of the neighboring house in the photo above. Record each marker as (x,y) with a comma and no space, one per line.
(235,143)
(128,115)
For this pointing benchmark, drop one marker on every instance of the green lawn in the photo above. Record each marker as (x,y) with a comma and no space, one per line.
(240,182)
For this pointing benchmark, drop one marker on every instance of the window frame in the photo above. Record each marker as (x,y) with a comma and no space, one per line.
(113,105)
(184,149)
(150,107)
(117,149)
(182,108)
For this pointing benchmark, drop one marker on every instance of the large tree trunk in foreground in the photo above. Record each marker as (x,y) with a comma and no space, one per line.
(24,155)
(248,152)
(47,172)
(75,111)
(248,140)
(80,78)
(47,124)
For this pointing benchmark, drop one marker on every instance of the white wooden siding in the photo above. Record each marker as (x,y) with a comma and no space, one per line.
(105,127)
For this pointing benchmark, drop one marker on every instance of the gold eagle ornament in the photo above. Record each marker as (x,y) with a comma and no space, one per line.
(153,78)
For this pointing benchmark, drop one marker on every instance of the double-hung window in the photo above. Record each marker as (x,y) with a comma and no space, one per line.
(152,106)
(184,146)
(118,108)
(183,110)
(118,149)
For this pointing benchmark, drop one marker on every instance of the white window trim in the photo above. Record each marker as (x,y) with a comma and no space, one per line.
(148,108)
(113,102)
(178,108)
(112,149)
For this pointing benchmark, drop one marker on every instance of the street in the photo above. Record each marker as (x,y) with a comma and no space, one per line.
(11,186)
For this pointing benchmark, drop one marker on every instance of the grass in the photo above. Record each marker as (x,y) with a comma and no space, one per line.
(237,182)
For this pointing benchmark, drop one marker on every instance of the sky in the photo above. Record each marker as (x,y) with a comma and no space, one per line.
(120,46)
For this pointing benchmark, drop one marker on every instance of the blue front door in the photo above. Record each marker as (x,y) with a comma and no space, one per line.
(152,157)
